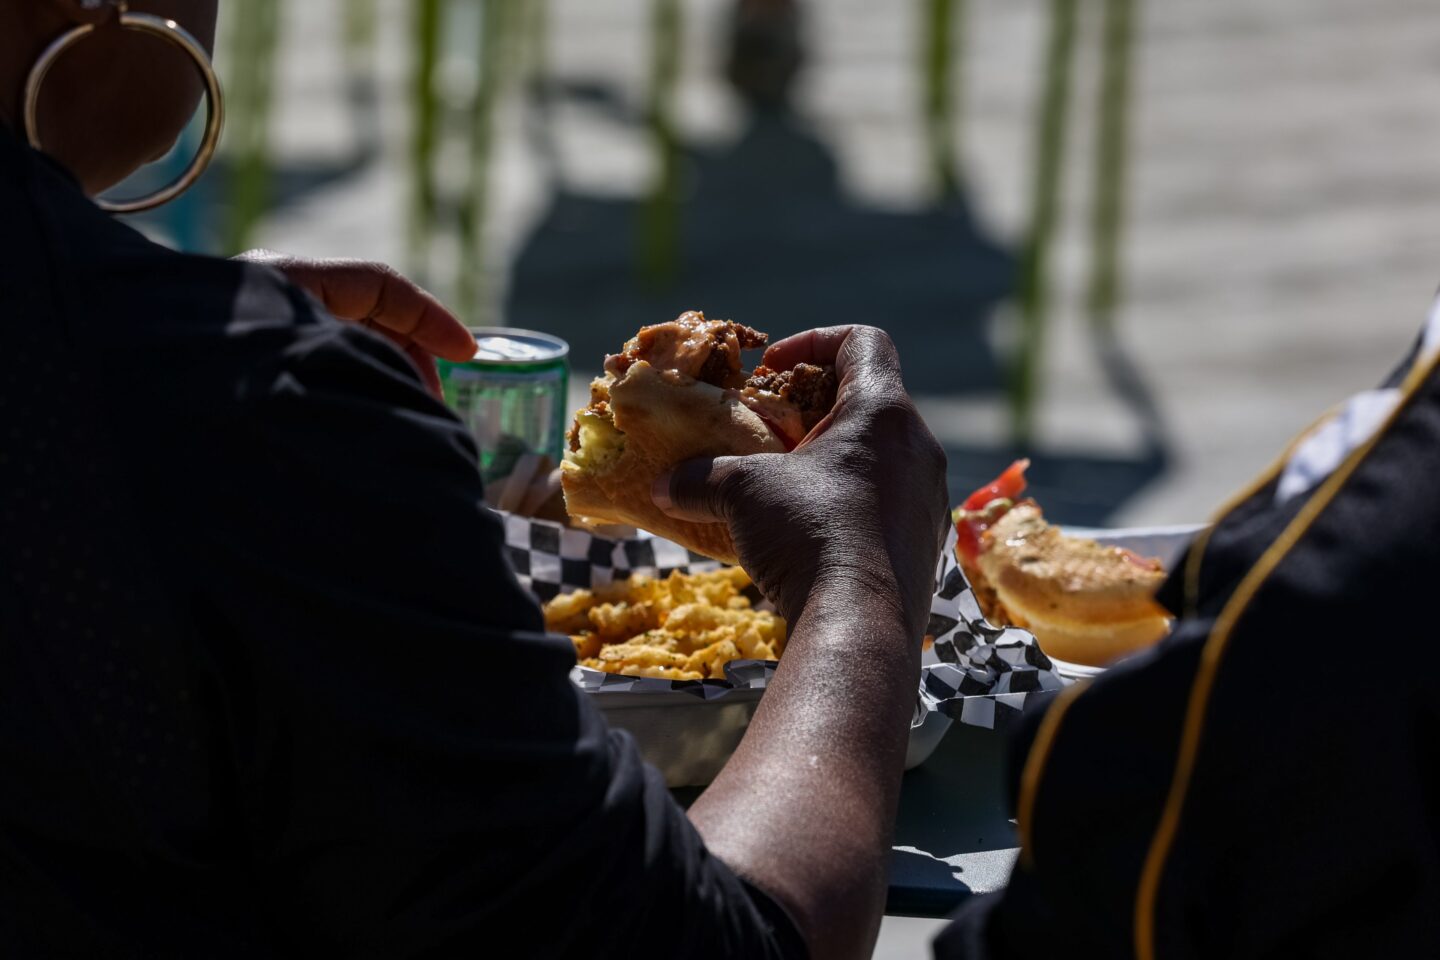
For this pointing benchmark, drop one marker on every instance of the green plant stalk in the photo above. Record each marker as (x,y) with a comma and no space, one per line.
(499,20)
(660,212)
(1047,180)
(250,98)
(537,35)
(944,34)
(425,111)
(1111,166)
(359,32)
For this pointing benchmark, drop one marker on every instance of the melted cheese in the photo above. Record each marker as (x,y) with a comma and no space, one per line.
(682,345)
(673,346)
(600,443)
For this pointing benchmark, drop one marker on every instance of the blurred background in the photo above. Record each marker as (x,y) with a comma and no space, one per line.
(1141,241)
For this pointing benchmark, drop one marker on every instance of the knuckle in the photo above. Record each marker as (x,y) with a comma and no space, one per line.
(875,345)
(934,454)
(747,483)
(890,411)
(855,346)
(736,481)
(877,336)
(726,484)
(724,488)
(882,383)
(375,268)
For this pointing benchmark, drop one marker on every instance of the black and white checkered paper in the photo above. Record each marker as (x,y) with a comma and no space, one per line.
(552,559)
(974,673)
(977,673)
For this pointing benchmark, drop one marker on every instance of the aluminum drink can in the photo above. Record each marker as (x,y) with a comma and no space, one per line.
(511,395)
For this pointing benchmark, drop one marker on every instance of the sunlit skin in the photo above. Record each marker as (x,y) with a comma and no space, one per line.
(120,99)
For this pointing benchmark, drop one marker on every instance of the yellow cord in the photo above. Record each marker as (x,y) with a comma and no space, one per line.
(1150,876)
(1035,766)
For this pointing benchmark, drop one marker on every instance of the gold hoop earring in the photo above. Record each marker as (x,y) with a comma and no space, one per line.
(171,32)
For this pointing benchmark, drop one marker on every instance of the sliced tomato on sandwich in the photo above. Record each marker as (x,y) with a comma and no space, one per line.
(986,505)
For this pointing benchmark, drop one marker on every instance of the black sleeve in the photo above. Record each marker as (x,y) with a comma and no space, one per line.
(1092,815)
(416,773)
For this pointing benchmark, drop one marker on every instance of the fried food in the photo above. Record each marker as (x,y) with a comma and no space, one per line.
(682,627)
(675,392)
(1085,602)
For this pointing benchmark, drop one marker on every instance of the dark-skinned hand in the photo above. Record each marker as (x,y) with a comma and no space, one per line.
(861,500)
(842,533)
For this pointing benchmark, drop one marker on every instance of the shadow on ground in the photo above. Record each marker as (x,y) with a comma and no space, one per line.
(1075,488)
(767,236)
(763,233)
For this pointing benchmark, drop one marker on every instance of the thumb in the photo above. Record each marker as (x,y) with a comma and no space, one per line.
(698,490)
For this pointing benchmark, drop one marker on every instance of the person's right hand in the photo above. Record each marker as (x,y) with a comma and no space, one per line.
(860,505)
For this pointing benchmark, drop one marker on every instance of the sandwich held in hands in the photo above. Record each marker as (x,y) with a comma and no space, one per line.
(1085,602)
(677,391)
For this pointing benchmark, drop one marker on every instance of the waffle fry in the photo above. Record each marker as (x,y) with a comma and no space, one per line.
(682,627)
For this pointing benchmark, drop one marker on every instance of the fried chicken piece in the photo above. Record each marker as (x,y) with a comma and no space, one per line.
(708,350)
(809,389)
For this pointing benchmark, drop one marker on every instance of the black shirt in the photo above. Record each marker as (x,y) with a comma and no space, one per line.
(1266,781)
(267,684)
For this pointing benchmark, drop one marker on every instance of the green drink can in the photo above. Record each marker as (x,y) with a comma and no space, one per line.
(511,395)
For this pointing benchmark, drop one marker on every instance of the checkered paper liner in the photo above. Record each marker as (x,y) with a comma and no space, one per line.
(551,558)
(974,673)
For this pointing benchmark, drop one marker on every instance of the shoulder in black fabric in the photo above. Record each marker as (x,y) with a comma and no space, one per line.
(1293,817)
(105,747)
(1324,706)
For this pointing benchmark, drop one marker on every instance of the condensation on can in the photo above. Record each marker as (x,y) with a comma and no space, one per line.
(511,395)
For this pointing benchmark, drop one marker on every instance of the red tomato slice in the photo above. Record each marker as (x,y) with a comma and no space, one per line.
(1009,485)
(967,539)
(972,519)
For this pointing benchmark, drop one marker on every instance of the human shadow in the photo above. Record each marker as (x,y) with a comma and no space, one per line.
(1076,487)
(769,237)
(766,235)
(922,886)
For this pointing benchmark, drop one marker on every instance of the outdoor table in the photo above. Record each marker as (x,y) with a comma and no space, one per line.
(953,835)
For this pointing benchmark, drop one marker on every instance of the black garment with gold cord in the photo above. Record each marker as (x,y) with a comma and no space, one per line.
(1265,783)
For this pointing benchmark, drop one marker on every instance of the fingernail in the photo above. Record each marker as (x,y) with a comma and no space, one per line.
(660,491)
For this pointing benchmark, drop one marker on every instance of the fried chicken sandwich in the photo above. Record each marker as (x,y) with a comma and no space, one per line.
(678,391)
(1085,602)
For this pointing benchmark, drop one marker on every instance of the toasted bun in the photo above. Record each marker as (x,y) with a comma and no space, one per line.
(655,420)
(1095,645)
(1085,602)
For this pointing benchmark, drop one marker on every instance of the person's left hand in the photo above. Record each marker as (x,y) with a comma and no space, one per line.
(378,298)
